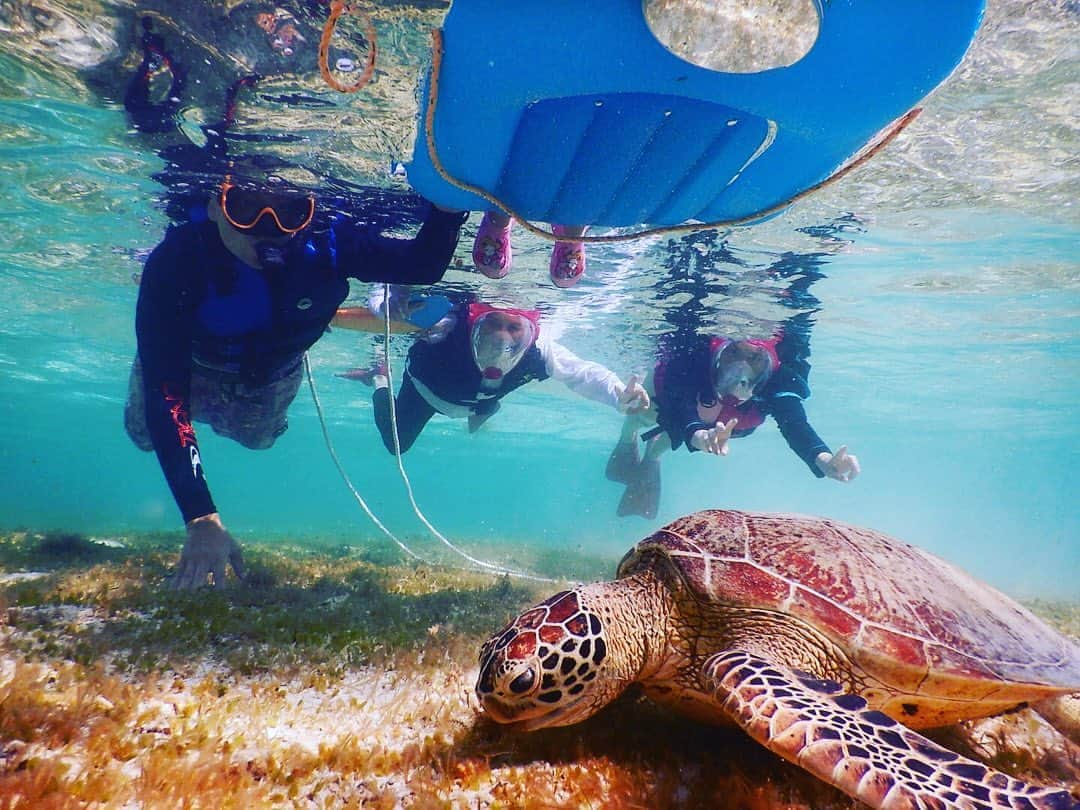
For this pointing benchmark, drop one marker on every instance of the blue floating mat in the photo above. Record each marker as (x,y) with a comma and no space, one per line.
(573,112)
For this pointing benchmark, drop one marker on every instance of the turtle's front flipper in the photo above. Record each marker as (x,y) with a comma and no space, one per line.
(866,754)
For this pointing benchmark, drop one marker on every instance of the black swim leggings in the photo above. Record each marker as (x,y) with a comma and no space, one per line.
(413,413)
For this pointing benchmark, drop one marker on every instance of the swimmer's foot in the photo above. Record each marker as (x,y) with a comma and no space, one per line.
(491,251)
(368,376)
(623,462)
(642,495)
(477,420)
(567,258)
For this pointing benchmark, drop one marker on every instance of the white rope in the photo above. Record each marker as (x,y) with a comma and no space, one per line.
(405,477)
(345,475)
(482,564)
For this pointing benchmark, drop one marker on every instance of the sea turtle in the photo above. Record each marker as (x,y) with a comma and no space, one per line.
(825,642)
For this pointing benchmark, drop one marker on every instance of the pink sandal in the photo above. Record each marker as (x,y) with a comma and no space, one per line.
(491,253)
(567,260)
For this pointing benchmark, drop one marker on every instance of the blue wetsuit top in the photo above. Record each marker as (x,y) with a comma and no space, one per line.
(687,379)
(199,304)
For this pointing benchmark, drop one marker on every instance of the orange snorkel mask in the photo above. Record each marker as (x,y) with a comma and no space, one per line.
(266,212)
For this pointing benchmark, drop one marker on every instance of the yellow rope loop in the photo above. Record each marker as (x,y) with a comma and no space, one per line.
(867,152)
(337,8)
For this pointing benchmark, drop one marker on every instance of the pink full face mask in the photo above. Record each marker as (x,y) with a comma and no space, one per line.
(500,338)
(741,367)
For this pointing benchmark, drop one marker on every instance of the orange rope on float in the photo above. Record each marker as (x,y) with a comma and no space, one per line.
(337,8)
(868,152)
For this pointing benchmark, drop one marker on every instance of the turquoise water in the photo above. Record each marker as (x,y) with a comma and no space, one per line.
(945,348)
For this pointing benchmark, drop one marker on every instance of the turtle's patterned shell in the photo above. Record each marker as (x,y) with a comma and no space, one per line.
(887,603)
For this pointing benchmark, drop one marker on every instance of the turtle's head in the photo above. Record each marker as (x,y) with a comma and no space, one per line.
(551,666)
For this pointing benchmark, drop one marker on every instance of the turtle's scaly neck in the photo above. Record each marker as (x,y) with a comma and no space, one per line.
(635,611)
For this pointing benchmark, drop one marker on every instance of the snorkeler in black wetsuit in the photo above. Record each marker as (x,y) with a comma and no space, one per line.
(228,304)
(715,390)
(465,364)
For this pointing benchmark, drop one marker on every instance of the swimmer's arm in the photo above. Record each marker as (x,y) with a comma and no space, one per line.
(164,318)
(585,377)
(367,255)
(790,416)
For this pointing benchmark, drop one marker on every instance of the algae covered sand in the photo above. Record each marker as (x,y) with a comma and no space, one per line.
(342,676)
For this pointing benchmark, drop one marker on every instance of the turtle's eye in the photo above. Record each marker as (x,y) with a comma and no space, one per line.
(523,682)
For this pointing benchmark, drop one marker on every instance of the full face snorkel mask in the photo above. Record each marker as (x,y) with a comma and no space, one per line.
(500,338)
(741,367)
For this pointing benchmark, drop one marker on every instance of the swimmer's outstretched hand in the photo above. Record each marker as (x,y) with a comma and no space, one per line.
(634,398)
(207,548)
(714,440)
(841,465)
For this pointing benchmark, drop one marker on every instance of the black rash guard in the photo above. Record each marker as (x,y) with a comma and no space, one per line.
(687,378)
(199,304)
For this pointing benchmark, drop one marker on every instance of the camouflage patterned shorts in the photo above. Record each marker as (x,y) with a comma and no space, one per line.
(254,416)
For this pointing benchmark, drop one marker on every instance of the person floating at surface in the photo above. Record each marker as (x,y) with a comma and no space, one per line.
(721,389)
(228,304)
(493,255)
(149,114)
(472,358)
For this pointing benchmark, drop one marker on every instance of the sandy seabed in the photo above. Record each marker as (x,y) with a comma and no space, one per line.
(340,677)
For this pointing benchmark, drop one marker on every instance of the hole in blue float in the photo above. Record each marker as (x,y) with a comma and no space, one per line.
(735,36)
